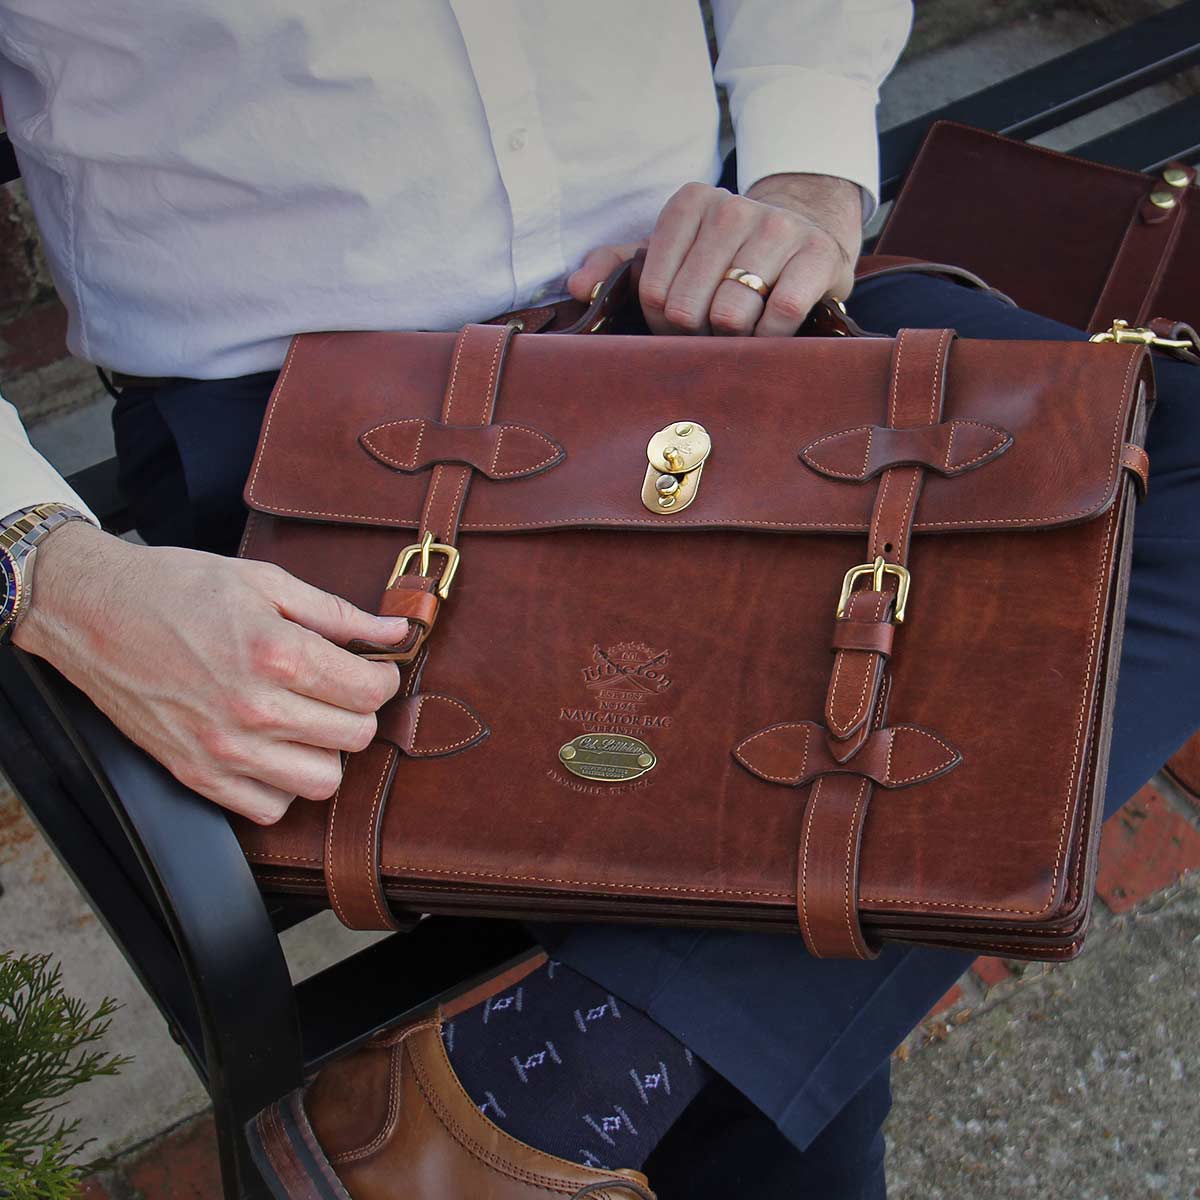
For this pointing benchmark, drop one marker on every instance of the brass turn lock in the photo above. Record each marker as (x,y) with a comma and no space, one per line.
(676,454)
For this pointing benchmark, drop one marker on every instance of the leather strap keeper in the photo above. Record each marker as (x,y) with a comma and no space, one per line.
(949,448)
(871,637)
(497,451)
(415,598)
(796,753)
(1137,462)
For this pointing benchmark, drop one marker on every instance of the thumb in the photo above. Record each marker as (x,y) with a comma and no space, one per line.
(336,619)
(598,266)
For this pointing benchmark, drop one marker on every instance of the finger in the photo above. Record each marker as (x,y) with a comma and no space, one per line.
(296,770)
(674,232)
(808,276)
(289,717)
(258,802)
(345,680)
(727,224)
(332,617)
(736,308)
(598,266)
(298,660)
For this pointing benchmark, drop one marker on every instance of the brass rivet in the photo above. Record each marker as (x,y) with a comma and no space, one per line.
(567,752)
(666,502)
(645,760)
(1177,177)
(666,485)
(684,429)
(1163,199)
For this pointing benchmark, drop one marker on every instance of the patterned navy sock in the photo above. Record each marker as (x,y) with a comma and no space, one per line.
(561,1065)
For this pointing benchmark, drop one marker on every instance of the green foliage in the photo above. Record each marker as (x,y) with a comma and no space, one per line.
(48,1045)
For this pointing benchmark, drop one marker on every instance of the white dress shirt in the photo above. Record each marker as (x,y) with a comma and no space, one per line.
(211,177)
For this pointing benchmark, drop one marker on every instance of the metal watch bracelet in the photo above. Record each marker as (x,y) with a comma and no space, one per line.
(20,534)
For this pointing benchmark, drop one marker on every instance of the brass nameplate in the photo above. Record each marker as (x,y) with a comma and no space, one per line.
(607,758)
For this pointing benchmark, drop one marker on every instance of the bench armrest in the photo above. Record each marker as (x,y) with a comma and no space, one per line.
(208,899)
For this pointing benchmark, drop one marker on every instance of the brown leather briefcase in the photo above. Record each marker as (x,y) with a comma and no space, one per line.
(1079,241)
(813,635)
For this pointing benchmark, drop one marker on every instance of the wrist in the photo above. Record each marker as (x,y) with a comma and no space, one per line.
(72,564)
(832,204)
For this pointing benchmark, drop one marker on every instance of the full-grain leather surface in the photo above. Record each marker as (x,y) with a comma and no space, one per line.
(1075,240)
(576,610)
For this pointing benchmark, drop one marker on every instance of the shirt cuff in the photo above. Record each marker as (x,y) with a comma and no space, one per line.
(808,122)
(26,478)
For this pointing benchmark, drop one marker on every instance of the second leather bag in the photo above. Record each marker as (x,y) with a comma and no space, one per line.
(815,635)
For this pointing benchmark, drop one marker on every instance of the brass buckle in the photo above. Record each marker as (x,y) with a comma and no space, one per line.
(1126,335)
(877,570)
(425,547)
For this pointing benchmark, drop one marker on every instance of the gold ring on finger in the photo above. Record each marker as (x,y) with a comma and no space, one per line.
(749,279)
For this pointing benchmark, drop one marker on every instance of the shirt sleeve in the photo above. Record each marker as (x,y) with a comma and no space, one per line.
(803,81)
(26,478)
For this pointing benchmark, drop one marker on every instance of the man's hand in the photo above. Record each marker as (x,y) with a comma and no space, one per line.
(230,673)
(800,233)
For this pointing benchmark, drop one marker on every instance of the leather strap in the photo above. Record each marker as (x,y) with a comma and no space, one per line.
(831,832)
(413,724)
(352,828)
(827,867)
(916,397)
(827,860)
(1177,331)
(857,675)
(1144,253)
(470,400)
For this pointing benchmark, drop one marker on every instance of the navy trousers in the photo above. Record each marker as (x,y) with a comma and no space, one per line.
(807,1041)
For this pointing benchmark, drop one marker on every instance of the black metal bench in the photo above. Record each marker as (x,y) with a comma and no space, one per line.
(160,865)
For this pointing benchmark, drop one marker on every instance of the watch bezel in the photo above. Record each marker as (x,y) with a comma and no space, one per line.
(10,610)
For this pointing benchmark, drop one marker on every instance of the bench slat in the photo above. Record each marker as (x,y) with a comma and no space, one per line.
(1152,142)
(1066,87)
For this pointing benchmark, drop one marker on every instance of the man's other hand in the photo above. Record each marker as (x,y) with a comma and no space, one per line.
(230,673)
(800,233)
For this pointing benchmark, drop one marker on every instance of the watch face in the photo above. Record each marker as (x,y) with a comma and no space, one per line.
(10,588)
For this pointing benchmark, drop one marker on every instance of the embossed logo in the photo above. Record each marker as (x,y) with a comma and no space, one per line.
(626,689)
(629,668)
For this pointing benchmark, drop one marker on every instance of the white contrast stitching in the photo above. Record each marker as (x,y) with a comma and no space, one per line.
(803,891)
(854,939)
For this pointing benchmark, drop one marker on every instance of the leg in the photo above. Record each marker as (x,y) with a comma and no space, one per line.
(722,1146)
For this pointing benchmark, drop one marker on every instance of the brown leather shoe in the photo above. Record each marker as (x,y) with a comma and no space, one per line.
(392,1121)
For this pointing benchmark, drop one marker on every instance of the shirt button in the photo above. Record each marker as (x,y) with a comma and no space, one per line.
(517,139)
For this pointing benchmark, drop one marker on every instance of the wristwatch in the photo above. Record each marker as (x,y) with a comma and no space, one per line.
(20,533)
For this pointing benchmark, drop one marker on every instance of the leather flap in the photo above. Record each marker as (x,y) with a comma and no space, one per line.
(501,451)
(430,726)
(796,752)
(1066,406)
(949,449)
